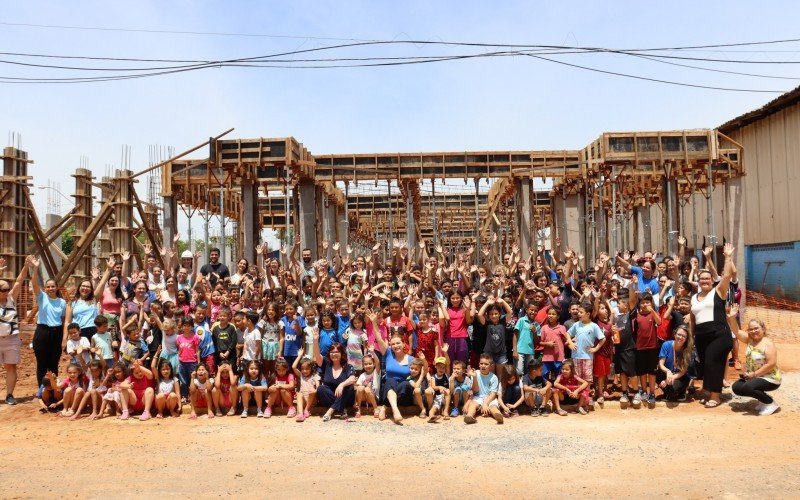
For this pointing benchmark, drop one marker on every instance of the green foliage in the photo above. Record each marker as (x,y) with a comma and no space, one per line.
(68,240)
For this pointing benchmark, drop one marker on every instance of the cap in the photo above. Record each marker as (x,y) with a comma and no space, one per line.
(187,254)
(441,360)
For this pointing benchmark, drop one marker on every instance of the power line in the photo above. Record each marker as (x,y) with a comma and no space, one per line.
(363,62)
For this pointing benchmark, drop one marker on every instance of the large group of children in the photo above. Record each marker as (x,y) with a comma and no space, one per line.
(484,335)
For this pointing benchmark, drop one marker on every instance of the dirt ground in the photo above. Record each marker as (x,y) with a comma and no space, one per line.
(682,451)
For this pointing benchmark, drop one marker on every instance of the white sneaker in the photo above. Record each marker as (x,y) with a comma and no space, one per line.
(759,406)
(769,409)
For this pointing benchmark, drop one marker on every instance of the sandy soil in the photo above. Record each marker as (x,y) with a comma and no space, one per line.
(684,451)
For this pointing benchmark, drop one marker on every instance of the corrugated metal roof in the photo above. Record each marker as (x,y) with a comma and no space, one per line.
(784,101)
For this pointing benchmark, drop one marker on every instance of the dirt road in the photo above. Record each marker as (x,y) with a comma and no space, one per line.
(685,451)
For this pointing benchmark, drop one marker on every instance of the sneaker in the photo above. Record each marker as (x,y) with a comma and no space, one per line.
(769,409)
(514,413)
(306,414)
(637,399)
(344,415)
(601,401)
(624,401)
(244,413)
(267,412)
(292,412)
(455,412)
(260,413)
(582,410)
(535,412)
(681,398)
(651,399)
(144,416)
(543,411)
(10,400)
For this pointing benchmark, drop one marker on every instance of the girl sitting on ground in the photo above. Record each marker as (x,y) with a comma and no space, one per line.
(200,391)
(113,396)
(136,392)
(168,391)
(252,386)
(94,390)
(282,389)
(368,385)
(309,382)
(72,389)
(571,390)
(224,392)
(512,392)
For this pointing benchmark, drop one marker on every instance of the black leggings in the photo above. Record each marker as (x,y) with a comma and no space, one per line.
(678,387)
(755,388)
(712,349)
(47,349)
(326,397)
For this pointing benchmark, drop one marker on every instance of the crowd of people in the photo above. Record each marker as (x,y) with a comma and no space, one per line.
(469,335)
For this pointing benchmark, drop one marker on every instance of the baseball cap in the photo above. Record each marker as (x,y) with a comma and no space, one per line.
(187,254)
(441,360)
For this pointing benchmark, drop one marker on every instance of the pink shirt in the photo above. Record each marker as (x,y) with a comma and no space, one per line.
(553,334)
(109,303)
(371,334)
(187,348)
(458,323)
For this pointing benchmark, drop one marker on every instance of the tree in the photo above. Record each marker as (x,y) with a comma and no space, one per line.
(68,240)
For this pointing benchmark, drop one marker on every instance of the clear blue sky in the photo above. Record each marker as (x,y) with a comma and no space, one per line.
(479,104)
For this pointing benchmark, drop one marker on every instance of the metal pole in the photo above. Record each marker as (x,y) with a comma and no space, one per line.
(668,205)
(222,222)
(205,233)
(477,224)
(389,197)
(710,217)
(433,211)
(694,214)
(614,229)
(286,237)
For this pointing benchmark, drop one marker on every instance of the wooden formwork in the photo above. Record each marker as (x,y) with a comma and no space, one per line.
(13,210)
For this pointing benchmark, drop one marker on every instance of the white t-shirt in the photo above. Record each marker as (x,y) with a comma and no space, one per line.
(72,347)
(252,344)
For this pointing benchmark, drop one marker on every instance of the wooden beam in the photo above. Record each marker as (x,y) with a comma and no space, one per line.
(192,150)
(150,236)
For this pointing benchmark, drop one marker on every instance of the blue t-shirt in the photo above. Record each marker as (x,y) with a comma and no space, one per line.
(525,335)
(645,284)
(327,338)
(344,324)
(206,339)
(668,354)
(84,313)
(487,384)
(585,337)
(50,310)
(260,382)
(293,335)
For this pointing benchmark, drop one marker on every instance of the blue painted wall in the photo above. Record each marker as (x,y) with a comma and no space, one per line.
(774,269)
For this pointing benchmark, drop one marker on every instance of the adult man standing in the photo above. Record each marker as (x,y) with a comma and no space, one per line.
(215,270)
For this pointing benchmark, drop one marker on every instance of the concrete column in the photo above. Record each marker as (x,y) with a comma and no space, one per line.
(571,222)
(104,237)
(82,218)
(644,240)
(170,218)
(523,188)
(411,234)
(250,222)
(328,214)
(735,223)
(342,227)
(307,194)
(49,221)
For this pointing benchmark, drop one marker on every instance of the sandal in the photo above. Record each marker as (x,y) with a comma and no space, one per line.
(358,413)
(711,403)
